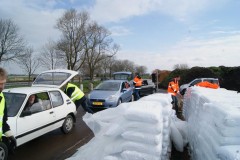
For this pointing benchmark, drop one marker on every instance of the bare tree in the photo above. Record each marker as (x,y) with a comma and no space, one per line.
(123,65)
(48,57)
(106,65)
(11,43)
(28,63)
(98,47)
(141,69)
(180,66)
(72,25)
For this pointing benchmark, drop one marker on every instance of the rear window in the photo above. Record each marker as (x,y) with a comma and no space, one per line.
(195,82)
(122,76)
(55,78)
(213,81)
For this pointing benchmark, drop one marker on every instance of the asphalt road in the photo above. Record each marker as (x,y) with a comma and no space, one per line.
(55,145)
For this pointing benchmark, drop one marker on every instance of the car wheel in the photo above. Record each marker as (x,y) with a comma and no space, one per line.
(3,151)
(119,102)
(67,124)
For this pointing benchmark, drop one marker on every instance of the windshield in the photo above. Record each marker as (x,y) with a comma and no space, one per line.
(14,102)
(54,78)
(109,86)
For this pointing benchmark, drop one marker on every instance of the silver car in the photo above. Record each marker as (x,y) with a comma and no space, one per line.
(111,93)
(184,87)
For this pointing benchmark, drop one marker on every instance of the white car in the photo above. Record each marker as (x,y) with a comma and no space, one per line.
(184,87)
(53,108)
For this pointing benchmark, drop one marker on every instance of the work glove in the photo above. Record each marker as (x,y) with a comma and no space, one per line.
(12,141)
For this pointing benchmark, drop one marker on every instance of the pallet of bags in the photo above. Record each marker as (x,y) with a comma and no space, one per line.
(214,121)
(130,131)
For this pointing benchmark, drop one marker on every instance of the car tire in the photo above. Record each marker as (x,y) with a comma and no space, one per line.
(119,102)
(3,151)
(67,124)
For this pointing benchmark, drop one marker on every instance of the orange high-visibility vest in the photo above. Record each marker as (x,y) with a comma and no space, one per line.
(173,87)
(137,81)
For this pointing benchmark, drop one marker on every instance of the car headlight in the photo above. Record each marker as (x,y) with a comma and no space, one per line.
(112,98)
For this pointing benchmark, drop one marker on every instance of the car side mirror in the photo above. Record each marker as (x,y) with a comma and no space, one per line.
(26,113)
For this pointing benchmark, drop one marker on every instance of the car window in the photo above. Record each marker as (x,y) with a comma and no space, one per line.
(121,77)
(14,102)
(55,78)
(37,102)
(127,85)
(56,98)
(150,82)
(145,82)
(212,81)
(195,82)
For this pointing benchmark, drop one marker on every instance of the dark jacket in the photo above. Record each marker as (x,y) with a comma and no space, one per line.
(5,126)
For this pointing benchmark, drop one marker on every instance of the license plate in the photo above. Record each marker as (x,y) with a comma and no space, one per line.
(98,103)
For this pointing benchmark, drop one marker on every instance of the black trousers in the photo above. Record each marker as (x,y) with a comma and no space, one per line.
(84,103)
(175,102)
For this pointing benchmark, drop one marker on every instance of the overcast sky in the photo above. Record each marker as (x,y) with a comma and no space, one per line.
(154,33)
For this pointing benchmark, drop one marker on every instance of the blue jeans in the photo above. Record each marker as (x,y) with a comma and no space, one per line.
(136,94)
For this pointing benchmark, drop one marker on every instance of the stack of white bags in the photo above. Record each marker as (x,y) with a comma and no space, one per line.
(213,117)
(132,131)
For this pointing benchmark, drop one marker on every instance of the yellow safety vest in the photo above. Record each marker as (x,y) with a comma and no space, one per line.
(77,94)
(2,105)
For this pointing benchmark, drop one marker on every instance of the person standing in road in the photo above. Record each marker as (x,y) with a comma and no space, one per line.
(137,82)
(173,89)
(77,96)
(5,129)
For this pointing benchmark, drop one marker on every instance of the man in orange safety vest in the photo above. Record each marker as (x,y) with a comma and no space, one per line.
(173,89)
(137,82)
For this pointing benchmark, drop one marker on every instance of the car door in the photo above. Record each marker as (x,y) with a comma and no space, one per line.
(60,108)
(126,91)
(39,122)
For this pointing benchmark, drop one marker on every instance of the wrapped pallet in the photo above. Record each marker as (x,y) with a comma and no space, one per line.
(213,117)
